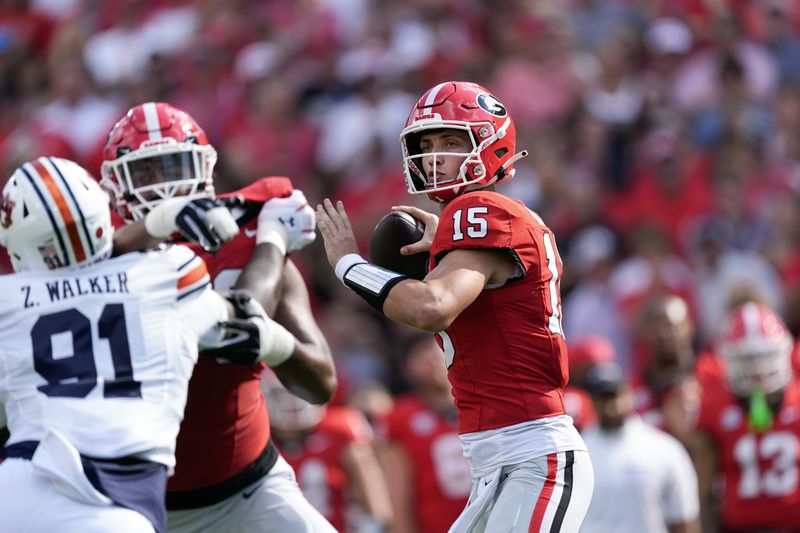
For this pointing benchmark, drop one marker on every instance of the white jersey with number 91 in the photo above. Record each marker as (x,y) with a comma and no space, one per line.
(103,353)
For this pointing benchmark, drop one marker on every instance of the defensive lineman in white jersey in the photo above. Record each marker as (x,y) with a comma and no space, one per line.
(95,358)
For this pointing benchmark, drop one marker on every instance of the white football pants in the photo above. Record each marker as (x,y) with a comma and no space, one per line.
(273,503)
(549,494)
(32,501)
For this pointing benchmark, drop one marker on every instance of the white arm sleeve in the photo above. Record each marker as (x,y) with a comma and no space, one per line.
(202,312)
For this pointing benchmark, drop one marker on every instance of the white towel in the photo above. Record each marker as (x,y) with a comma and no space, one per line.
(57,458)
(483,495)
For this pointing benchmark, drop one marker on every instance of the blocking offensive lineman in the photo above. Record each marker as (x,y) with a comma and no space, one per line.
(229,475)
(95,358)
(492,299)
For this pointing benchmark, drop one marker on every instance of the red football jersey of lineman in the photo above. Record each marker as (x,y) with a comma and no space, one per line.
(226,424)
(441,477)
(761,486)
(318,464)
(506,355)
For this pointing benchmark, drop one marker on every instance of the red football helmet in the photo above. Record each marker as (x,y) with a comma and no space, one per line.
(155,152)
(471,108)
(757,350)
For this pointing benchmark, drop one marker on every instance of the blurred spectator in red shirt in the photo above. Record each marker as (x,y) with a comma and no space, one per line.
(669,186)
(584,354)
(271,137)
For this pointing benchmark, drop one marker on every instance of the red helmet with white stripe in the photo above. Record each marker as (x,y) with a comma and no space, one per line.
(53,214)
(458,105)
(757,350)
(155,152)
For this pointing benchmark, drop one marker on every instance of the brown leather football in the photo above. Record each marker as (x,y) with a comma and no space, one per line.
(392,232)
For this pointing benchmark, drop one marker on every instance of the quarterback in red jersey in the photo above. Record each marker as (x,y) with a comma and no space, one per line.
(332,454)
(749,426)
(492,299)
(429,478)
(229,475)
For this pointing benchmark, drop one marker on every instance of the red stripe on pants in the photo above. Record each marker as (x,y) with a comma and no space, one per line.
(545,495)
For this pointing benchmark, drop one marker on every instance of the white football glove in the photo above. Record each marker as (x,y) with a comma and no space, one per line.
(203,221)
(289,223)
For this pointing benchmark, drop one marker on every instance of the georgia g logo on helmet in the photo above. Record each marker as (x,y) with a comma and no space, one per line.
(491,105)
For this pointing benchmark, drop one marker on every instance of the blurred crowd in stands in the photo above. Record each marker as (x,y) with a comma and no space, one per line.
(664,135)
(664,138)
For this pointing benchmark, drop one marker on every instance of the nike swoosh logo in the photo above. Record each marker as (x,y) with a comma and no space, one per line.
(250,233)
(486,482)
(248,494)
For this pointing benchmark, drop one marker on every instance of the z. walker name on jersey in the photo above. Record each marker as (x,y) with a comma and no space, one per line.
(65,288)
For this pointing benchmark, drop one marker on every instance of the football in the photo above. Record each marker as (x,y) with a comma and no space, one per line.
(392,232)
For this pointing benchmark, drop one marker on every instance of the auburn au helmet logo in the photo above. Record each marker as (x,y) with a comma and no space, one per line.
(6,206)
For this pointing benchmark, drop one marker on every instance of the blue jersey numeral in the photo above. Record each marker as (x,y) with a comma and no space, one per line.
(75,376)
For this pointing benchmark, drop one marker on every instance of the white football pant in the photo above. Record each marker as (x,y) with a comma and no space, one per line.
(549,494)
(273,503)
(33,501)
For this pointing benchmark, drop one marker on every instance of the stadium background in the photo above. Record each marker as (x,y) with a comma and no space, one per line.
(664,134)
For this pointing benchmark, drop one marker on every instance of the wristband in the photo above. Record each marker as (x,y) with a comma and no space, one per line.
(272,231)
(369,281)
(344,264)
(280,346)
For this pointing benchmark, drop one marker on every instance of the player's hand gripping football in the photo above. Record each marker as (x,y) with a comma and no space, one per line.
(288,220)
(431,222)
(336,231)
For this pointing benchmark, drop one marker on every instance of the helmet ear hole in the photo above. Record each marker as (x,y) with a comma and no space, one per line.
(500,152)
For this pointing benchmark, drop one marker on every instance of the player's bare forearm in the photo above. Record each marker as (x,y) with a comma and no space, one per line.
(706,461)
(687,527)
(431,304)
(434,303)
(262,277)
(399,473)
(309,373)
(133,238)
(368,482)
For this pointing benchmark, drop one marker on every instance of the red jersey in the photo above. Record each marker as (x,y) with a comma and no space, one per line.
(505,353)
(761,486)
(441,477)
(318,462)
(226,424)
(646,403)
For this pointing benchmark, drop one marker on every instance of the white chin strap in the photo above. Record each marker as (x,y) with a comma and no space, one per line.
(516,157)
